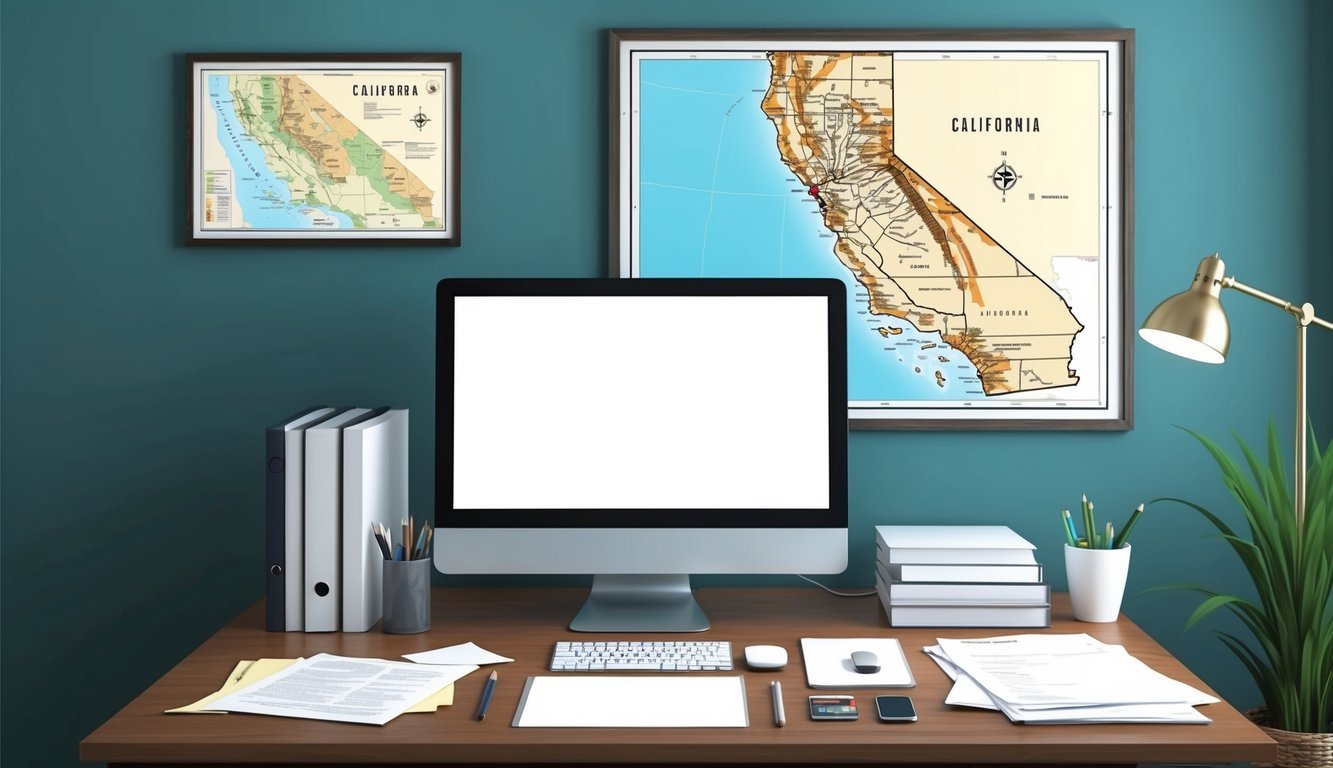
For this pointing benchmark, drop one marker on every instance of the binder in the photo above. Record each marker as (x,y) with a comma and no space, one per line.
(374,490)
(284,522)
(323,519)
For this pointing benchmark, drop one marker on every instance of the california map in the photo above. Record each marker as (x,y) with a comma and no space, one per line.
(918,256)
(294,151)
(963,196)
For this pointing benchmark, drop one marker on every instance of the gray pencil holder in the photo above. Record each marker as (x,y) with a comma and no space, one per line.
(406,596)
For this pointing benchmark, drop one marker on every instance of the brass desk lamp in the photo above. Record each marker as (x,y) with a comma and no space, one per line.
(1193,324)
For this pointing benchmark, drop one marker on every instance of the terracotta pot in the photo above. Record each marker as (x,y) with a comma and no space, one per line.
(1295,749)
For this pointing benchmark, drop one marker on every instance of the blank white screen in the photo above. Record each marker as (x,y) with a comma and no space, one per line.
(641,402)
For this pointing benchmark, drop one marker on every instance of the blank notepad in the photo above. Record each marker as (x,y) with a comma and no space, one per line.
(640,701)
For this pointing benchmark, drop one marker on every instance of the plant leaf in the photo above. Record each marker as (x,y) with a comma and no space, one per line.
(1290,652)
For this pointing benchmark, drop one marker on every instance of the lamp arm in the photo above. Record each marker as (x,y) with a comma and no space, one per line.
(1300,311)
(1305,317)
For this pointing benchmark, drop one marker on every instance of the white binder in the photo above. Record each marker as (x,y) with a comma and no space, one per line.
(288,517)
(374,490)
(323,520)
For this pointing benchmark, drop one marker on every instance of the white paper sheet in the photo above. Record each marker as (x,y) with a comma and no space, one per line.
(463,653)
(1060,670)
(639,701)
(349,690)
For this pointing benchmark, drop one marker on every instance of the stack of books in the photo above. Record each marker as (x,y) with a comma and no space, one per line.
(959,576)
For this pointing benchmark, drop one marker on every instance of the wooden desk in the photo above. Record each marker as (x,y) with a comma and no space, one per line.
(524,623)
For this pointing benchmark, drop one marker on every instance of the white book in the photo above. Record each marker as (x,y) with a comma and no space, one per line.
(374,490)
(928,615)
(944,544)
(323,520)
(1013,574)
(973,593)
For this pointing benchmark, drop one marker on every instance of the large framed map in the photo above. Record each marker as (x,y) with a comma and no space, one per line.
(972,189)
(327,147)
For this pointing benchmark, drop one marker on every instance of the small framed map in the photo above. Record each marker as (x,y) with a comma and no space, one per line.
(971,188)
(326,147)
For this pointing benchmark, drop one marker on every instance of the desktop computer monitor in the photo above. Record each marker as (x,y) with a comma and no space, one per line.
(640,431)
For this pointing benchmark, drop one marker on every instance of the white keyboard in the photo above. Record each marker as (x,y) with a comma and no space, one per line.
(648,655)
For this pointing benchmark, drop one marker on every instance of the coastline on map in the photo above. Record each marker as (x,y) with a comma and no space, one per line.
(264,199)
(724,204)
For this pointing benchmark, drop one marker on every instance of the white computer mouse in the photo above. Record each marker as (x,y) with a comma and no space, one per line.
(765,656)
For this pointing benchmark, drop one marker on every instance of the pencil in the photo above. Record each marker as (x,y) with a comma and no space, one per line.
(1122,537)
(486,695)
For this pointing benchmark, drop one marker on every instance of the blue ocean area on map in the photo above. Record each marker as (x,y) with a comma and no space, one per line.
(265,199)
(717,201)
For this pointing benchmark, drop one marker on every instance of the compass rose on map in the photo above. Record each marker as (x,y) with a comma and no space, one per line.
(420,119)
(1004,177)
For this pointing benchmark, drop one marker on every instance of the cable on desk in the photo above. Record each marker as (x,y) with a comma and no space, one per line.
(832,591)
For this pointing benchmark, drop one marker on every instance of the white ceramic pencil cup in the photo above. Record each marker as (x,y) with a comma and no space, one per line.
(1096,581)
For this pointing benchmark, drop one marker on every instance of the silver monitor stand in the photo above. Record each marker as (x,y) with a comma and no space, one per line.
(640,603)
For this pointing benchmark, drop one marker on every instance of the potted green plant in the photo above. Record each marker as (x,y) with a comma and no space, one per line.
(1290,619)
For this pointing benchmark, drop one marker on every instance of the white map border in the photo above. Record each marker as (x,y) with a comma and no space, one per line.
(1112,411)
(448,65)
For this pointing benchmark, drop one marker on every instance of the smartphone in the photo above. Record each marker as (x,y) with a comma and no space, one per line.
(895,709)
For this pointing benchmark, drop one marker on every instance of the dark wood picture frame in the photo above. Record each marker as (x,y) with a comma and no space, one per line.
(414,98)
(1113,411)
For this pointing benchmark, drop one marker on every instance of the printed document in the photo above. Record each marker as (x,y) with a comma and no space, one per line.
(349,690)
(1059,671)
(1063,679)
(251,671)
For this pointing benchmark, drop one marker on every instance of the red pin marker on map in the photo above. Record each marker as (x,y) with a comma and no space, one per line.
(814,190)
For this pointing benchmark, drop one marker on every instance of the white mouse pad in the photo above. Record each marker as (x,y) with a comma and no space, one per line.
(828,663)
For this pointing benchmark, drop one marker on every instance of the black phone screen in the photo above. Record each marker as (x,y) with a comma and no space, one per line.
(895,708)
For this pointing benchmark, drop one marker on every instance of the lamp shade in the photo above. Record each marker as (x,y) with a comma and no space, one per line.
(1193,323)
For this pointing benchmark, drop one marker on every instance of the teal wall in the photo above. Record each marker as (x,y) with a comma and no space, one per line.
(138,373)
(1320,32)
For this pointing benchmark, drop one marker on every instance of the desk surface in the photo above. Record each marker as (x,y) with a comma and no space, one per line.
(524,624)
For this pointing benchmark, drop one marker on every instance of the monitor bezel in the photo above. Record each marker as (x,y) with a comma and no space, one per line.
(834,516)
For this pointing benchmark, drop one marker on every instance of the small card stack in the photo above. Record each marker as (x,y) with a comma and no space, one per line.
(959,576)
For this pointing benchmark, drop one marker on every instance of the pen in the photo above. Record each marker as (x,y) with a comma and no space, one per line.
(379,539)
(423,539)
(486,695)
(779,716)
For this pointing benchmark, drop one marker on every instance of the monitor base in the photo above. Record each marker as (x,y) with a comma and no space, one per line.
(640,603)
